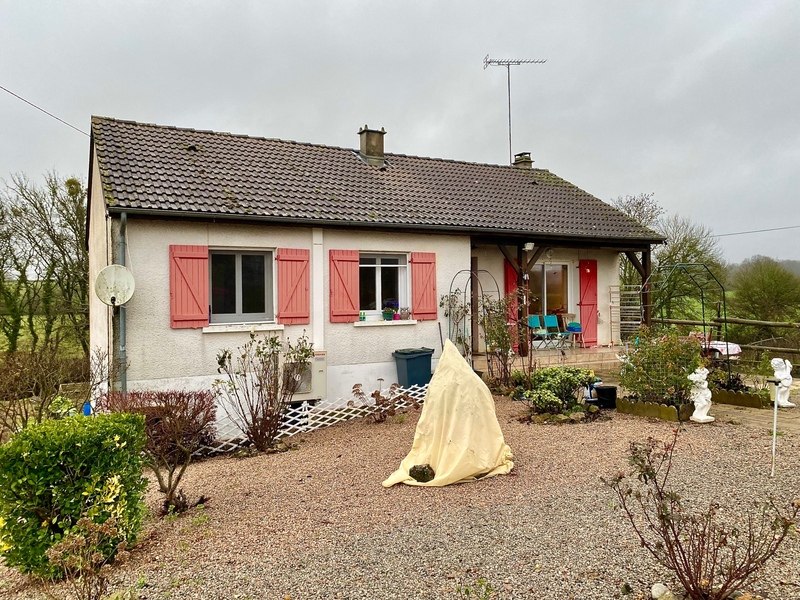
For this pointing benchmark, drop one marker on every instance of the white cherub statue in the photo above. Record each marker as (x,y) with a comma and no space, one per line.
(783,373)
(701,396)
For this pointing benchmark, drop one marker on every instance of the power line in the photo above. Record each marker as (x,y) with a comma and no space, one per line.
(756,231)
(43,110)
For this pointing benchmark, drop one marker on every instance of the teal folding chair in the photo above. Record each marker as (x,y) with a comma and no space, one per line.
(556,337)
(537,333)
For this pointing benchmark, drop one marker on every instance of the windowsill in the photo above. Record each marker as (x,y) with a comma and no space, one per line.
(397,323)
(237,327)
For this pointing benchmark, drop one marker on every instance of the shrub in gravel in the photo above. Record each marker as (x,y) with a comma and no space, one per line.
(86,570)
(386,403)
(656,368)
(54,473)
(260,379)
(556,389)
(710,558)
(177,424)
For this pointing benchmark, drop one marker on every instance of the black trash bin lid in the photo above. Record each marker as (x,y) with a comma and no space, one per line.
(414,351)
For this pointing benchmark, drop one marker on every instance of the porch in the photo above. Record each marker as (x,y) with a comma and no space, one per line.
(602,360)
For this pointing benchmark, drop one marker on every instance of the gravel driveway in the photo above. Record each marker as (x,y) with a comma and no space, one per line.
(316,523)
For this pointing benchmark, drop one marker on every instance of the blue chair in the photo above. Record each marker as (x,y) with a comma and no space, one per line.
(537,333)
(555,335)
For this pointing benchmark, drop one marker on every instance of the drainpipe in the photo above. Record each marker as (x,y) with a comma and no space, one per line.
(123,353)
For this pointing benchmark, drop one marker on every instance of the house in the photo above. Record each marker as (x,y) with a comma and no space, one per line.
(226,233)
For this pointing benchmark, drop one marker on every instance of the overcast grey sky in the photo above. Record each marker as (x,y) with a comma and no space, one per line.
(697,102)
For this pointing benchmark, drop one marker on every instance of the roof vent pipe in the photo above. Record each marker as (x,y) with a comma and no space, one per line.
(372,145)
(523,160)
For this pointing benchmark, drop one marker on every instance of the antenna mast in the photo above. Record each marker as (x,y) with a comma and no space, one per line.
(507,62)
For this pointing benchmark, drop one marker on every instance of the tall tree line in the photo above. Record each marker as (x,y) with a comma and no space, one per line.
(760,288)
(44,268)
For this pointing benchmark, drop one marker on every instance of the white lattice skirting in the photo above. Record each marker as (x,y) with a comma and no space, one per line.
(306,416)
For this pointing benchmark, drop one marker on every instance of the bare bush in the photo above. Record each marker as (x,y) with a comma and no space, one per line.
(261,378)
(386,404)
(29,382)
(177,423)
(710,558)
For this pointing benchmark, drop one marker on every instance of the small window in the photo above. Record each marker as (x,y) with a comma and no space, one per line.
(241,287)
(383,281)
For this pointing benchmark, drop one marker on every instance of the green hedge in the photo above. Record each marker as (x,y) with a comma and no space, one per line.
(53,473)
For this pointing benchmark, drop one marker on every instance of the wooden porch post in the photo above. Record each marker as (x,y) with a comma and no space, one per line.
(475,303)
(646,301)
(522,282)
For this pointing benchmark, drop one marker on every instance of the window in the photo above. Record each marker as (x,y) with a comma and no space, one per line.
(383,281)
(241,287)
(548,289)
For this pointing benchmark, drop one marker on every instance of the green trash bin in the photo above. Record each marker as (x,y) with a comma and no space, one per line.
(413,366)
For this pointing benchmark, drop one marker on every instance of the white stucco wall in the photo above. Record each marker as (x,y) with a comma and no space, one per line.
(99,257)
(363,354)
(157,352)
(160,357)
(491,259)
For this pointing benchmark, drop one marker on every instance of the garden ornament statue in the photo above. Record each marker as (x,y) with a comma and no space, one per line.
(783,373)
(701,396)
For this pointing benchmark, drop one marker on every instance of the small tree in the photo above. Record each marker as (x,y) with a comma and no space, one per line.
(176,424)
(711,559)
(260,381)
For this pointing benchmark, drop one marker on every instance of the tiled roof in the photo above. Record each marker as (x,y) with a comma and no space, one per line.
(171,170)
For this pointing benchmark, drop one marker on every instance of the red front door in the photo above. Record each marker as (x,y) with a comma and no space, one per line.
(588,301)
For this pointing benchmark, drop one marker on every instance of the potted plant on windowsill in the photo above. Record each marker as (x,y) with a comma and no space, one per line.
(389,310)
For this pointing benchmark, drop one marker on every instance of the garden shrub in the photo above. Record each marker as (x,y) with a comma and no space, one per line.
(261,378)
(177,423)
(656,368)
(711,557)
(555,389)
(56,472)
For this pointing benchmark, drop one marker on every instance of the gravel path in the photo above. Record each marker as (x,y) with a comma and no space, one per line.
(316,523)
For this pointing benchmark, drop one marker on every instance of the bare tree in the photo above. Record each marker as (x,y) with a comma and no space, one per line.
(42,231)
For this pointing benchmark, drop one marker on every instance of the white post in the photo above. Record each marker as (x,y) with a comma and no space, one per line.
(774,434)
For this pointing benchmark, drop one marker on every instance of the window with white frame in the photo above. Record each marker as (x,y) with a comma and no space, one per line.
(241,287)
(383,281)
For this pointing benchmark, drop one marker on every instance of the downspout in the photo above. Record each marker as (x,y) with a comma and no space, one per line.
(123,353)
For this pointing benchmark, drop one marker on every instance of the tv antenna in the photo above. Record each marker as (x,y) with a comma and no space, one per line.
(507,63)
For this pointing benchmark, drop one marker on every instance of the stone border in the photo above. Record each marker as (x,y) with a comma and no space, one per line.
(656,411)
(746,399)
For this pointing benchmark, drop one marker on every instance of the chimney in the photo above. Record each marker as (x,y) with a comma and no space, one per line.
(372,145)
(523,160)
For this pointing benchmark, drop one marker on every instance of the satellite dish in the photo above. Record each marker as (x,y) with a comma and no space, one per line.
(114,285)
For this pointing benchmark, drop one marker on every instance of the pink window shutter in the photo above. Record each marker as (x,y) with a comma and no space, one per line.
(294,299)
(344,297)
(424,302)
(188,287)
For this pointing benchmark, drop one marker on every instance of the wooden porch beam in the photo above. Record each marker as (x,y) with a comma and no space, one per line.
(536,256)
(509,258)
(636,263)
